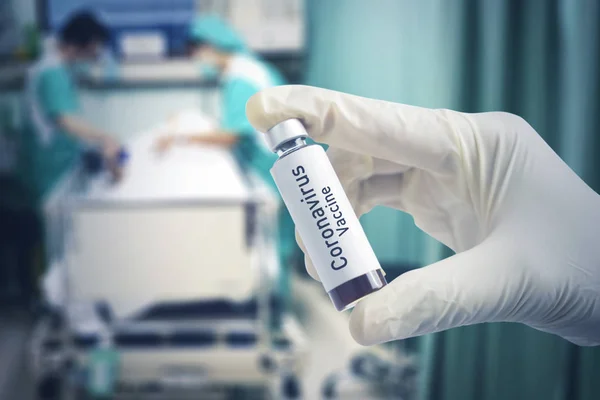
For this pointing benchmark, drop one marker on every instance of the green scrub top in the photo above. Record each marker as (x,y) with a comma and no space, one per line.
(49,152)
(250,150)
(253,154)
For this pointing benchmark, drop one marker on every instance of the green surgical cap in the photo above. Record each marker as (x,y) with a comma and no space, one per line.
(216,32)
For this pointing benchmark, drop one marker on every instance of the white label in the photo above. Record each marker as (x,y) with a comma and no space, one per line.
(328,226)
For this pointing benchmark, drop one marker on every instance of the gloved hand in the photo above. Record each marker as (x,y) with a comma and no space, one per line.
(110,147)
(110,151)
(525,228)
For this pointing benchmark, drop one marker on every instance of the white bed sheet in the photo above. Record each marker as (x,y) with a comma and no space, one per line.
(182,173)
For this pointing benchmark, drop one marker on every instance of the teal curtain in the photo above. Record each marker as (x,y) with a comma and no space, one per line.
(536,58)
(379,49)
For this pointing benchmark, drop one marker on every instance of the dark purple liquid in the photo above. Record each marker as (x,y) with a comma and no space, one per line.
(348,292)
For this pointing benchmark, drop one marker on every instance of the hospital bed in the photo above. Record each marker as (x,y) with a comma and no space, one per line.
(177,265)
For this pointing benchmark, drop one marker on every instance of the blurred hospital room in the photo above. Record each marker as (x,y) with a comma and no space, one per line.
(145,250)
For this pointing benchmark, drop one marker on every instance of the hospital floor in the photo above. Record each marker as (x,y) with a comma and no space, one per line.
(15,381)
(327,330)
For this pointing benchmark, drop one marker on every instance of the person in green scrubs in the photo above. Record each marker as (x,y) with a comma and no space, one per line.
(54,135)
(223,55)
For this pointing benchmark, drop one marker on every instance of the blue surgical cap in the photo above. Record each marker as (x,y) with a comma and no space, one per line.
(216,32)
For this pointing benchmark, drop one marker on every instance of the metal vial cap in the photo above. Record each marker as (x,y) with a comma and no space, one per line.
(284,132)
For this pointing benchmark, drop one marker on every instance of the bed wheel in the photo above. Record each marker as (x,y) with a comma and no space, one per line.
(329,391)
(290,387)
(50,388)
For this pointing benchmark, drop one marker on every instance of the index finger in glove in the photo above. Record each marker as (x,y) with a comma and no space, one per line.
(310,268)
(413,136)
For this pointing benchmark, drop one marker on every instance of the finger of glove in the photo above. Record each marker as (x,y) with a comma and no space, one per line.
(310,268)
(382,190)
(467,288)
(367,181)
(399,191)
(413,136)
(351,167)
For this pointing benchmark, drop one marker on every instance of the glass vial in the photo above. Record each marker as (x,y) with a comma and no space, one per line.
(324,218)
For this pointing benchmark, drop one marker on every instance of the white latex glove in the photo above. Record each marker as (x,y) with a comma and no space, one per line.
(525,228)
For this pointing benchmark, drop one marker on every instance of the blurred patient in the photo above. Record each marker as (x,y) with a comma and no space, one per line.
(55,135)
(222,54)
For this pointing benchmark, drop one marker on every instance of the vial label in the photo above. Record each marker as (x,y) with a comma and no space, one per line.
(324,218)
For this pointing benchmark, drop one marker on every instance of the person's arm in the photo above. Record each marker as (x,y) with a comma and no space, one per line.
(218,137)
(234,125)
(82,130)
(59,101)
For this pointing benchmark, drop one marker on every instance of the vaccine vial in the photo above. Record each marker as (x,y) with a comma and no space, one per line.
(324,217)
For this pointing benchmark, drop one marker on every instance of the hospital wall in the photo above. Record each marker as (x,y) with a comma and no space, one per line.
(535,58)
